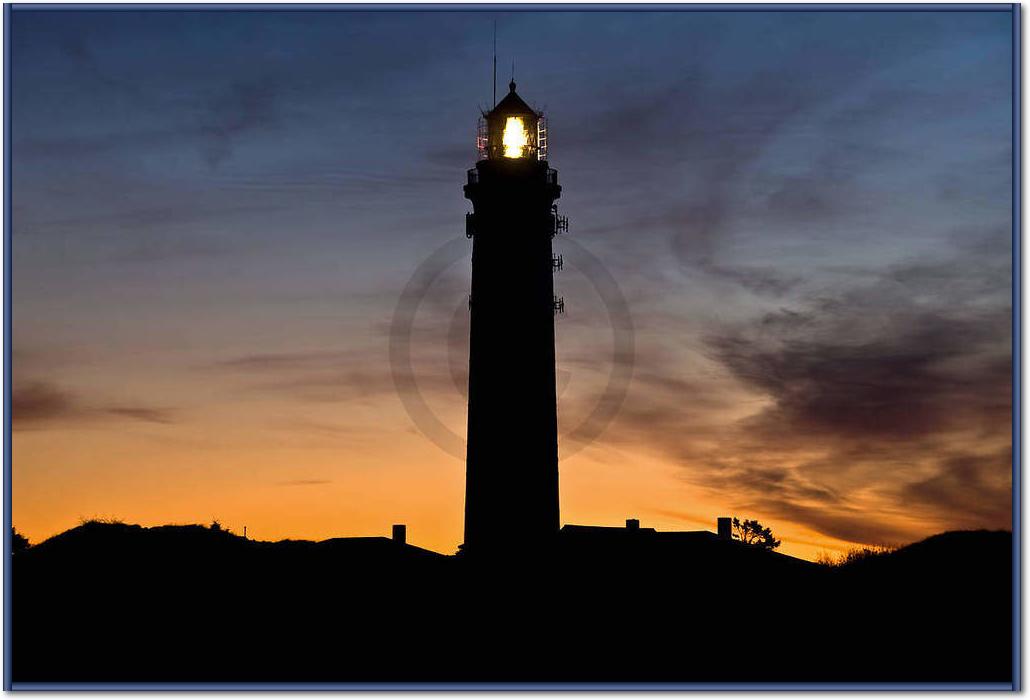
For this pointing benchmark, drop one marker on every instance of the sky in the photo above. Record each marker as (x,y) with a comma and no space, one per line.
(808,215)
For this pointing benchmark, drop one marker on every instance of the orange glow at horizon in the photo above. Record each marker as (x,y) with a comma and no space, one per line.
(280,489)
(307,443)
(289,445)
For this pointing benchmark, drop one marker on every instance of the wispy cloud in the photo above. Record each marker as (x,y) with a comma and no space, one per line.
(40,404)
(147,415)
(879,406)
(304,482)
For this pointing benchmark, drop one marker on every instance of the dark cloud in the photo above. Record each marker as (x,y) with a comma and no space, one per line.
(34,403)
(972,489)
(147,415)
(211,121)
(882,410)
(42,404)
(930,375)
(241,108)
(764,281)
(78,49)
(805,198)
(843,523)
(263,362)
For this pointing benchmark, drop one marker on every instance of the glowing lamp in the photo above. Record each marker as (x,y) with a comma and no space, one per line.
(515,138)
(512,130)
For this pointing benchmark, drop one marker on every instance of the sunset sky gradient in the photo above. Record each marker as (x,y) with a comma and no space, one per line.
(809,213)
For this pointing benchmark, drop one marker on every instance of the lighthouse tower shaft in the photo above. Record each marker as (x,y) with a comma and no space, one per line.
(511,498)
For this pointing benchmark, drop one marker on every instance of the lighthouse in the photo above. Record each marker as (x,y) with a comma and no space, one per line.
(511,480)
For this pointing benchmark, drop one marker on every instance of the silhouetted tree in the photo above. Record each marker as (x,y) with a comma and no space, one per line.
(19,542)
(753,533)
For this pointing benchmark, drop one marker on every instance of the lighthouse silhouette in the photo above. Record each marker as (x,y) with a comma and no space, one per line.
(511,482)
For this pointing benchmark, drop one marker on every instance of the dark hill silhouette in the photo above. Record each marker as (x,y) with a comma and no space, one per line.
(116,602)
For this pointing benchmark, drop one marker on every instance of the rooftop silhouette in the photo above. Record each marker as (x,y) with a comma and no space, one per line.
(116,602)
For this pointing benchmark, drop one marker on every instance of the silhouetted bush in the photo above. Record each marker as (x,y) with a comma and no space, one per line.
(19,542)
(855,555)
(100,521)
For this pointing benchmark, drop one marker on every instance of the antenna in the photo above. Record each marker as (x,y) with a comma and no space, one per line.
(513,70)
(495,63)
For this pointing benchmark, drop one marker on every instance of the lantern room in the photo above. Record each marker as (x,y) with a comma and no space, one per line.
(512,131)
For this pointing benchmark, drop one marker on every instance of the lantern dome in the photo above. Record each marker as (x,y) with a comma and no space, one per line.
(512,105)
(512,129)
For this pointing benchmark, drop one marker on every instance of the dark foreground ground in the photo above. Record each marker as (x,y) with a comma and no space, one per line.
(110,602)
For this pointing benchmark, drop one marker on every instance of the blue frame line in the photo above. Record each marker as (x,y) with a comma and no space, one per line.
(1017,331)
(511,686)
(523,7)
(8,516)
(1017,561)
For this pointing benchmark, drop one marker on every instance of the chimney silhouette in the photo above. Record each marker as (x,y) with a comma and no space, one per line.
(400,533)
(725,528)
(511,477)
(632,524)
